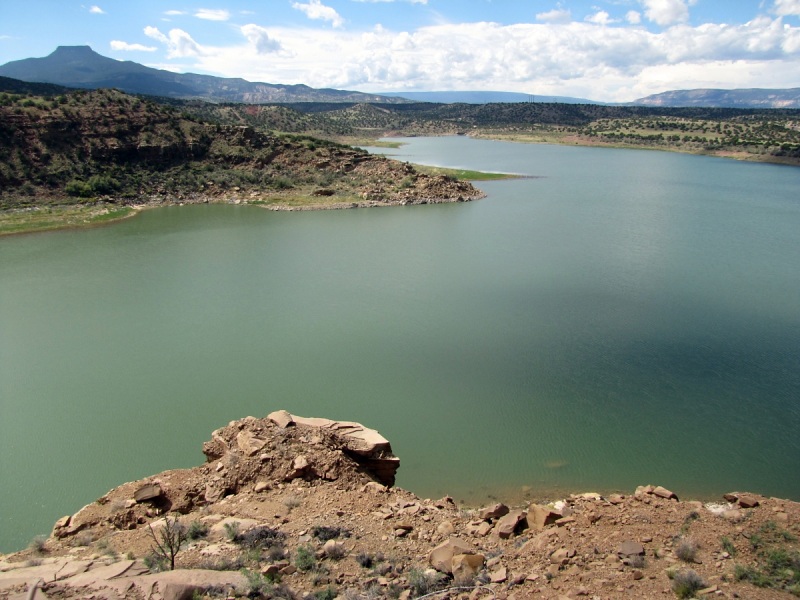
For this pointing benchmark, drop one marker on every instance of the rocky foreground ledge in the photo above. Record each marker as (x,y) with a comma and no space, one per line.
(293,507)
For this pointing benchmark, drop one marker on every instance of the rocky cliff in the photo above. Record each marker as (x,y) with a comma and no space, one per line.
(85,146)
(293,507)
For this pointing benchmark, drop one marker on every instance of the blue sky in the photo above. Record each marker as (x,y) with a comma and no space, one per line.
(613,50)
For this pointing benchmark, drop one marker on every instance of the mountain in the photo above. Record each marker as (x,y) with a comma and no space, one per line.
(475,97)
(739,98)
(82,67)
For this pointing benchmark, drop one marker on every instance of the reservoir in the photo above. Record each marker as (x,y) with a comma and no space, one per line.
(615,318)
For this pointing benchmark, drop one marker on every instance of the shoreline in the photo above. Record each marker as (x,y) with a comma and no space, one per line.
(321,493)
(577,140)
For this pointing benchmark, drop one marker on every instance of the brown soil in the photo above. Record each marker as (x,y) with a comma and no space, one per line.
(298,479)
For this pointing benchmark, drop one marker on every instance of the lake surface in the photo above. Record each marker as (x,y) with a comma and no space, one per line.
(620,318)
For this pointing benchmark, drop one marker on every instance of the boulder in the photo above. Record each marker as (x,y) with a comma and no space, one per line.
(630,548)
(441,557)
(747,501)
(494,511)
(541,516)
(509,524)
(466,566)
(662,492)
(281,418)
(149,491)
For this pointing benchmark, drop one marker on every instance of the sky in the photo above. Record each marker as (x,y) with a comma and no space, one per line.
(605,50)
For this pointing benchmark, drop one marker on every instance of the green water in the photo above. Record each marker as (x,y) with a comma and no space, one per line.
(623,318)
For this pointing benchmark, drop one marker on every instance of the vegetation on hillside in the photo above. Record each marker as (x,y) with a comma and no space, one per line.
(83,146)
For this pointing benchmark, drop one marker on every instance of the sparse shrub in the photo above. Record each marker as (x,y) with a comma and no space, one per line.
(305,559)
(39,544)
(636,561)
(336,552)
(155,562)
(727,545)
(197,530)
(686,583)
(169,539)
(260,537)
(325,533)
(232,530)
(329,593)
(256,583)
(422,583)
(686,550)
(365,559)
(83,539)
(291,502)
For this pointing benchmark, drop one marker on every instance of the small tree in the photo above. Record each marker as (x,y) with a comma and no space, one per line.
(169,539)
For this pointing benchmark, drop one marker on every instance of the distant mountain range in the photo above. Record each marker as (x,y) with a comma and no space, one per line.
(82,67)
(742,98)
(475,97)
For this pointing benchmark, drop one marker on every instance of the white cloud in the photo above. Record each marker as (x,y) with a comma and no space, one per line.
(96,10)
(260,39)
(787,8)
(557,15)
(179,43)
(174,13)
(666,12)
(633,17)
(212,14)
(125,46)
(387,1)
(601,17)
(582,59)
(316,10)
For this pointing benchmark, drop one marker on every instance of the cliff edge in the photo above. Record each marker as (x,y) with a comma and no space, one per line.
(294,507)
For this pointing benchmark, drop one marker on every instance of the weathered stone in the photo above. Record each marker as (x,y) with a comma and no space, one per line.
(441,557)
(616,499)
(560,557)
(149,491)
(509,524)
(483,529)
(261,486)
(249,443)
(748,501)
(281,418)
(178,591)
(494,512)
(446,528)
(731,497)
(466,566)
(498,576)
(541,516)
(636,574)
(662,492)
(630,548)
(709,590)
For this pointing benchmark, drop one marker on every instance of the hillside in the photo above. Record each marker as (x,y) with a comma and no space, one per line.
(83,146)
(82,67)
(737,98)
(293,507)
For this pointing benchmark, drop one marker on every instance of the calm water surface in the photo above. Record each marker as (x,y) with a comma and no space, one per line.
(620,318)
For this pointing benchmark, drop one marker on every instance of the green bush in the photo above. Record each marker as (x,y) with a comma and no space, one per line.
(305,559)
